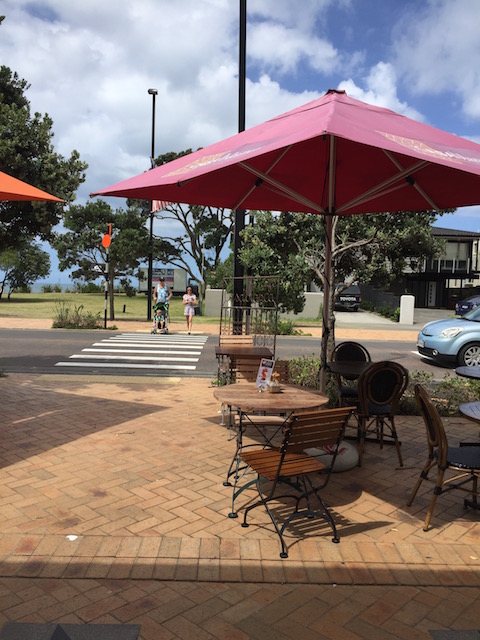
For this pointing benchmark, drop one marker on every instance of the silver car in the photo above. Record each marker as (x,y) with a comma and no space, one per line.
(455,340)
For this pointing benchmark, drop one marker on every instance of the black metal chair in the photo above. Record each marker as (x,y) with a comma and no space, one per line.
(464,460)
(347,388)
(380,388)
(292,465)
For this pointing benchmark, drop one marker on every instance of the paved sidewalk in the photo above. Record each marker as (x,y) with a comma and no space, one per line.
(112,510)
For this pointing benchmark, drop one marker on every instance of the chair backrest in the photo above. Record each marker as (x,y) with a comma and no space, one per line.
(436,435)
(315,429)
(350,351)
(382,384)
(246,369)
(232,340)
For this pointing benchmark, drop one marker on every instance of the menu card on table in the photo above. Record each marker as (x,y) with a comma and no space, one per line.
(264,374)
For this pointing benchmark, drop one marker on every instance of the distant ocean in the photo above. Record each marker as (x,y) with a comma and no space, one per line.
(37,287)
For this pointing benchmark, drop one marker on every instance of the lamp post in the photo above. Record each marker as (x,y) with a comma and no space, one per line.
(153,93)
(238,271)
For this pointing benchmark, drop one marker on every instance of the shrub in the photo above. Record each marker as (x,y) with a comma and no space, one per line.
(287,328)
(47,288)
(446,393)
(304,371)
(87,287)
(67,318)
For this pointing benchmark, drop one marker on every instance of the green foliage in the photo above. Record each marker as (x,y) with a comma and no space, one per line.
(304,371)
(47,288)
(87,287)
(129,290)
(287,328)
(22,266)
(81,246)
(447,394)
(389,312)
(27,152)
(365,248)
(67,318)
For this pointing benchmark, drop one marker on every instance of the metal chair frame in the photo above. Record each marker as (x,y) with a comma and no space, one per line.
(463,460)
(293,466)
(353,351)
(380,388)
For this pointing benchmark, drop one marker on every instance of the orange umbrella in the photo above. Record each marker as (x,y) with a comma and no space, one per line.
(14,189)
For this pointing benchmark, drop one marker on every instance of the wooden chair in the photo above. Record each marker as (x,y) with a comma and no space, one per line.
(271,423)
(463,460)
(380,388)
(247,372)
(293,466)
(347,387)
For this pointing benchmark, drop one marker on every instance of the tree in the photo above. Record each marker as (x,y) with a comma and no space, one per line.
(27,153)
(204,233)
(82,247)
(366,248)
(20,268)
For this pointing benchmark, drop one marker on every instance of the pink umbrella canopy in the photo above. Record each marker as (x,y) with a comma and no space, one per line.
(13,189)
(335,154)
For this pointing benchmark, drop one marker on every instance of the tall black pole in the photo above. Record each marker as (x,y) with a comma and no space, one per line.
(238,271)
(153,93)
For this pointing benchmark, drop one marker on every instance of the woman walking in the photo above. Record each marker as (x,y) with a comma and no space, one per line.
(189,300)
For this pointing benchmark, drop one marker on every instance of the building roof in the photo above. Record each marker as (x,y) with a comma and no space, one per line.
(442,232)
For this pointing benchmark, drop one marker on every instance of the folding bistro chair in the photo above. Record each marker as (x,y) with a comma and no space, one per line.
(293,465)
(380,388)
(464,460)
(268,426)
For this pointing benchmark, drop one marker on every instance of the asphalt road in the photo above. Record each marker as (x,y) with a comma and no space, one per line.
(37,351)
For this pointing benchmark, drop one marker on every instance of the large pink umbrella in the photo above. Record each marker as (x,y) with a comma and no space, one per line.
(335,155)
(13,189)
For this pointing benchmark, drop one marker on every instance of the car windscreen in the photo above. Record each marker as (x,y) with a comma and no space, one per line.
(473,315)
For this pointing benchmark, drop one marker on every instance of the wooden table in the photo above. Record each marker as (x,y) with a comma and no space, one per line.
(470,410)
(246,398)
(469,372)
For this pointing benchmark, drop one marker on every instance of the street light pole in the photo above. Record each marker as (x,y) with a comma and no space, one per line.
(153,93)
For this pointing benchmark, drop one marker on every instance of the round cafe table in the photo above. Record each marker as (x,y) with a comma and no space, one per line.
(469,372)
(247,399)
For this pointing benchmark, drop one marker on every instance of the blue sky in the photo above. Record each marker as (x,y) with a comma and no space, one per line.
(91,63)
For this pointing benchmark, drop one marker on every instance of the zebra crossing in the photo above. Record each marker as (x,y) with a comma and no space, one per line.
(141,352)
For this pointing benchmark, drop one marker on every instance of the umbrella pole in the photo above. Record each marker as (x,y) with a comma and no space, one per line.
(328,264)
(326,302)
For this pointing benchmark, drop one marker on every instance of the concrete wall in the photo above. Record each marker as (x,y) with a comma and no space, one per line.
(313,301)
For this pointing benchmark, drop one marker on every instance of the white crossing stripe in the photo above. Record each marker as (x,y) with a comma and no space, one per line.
(141,351)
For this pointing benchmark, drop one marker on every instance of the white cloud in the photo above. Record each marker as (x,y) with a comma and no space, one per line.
(281,48)
(438,50)
(381,90)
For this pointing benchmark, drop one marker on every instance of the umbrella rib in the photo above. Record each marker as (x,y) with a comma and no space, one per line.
(415,183)
(376,191)
(281,188)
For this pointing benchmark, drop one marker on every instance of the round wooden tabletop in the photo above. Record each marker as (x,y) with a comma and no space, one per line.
(249,399)
(470,410)
(469,372)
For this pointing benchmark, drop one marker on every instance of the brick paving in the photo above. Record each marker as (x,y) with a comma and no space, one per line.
(112,510)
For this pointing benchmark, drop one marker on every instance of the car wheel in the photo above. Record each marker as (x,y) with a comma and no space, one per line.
(469,355)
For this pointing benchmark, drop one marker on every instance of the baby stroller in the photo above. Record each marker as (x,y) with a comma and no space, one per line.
(160,317)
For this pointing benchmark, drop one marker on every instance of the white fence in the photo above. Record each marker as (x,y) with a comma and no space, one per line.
(313,302)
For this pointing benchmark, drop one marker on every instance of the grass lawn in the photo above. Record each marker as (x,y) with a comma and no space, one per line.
(43,305)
